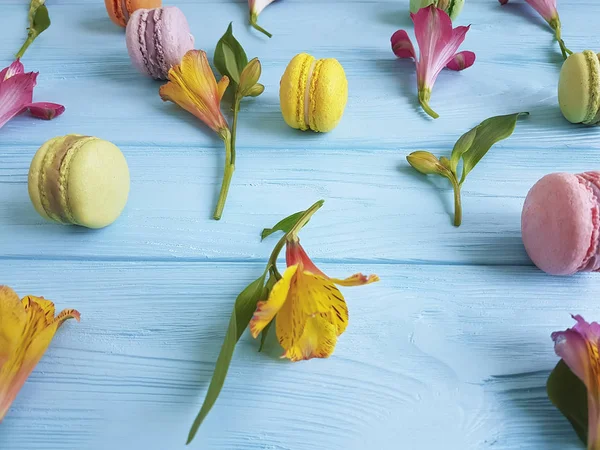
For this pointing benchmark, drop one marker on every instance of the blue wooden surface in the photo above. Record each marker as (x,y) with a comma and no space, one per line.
(450,350)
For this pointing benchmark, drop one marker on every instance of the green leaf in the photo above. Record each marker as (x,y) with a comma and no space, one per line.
(462,146)
(41,20)
(284,225)
(265,295)
(489,132)
(230,58)
(244,308)
(569,395)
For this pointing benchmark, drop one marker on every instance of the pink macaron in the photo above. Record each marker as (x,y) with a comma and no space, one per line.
(560,223)
(157,39)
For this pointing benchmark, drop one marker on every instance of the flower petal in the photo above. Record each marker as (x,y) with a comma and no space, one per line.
(15,93)
(295,254)
(222,86)
(46,306)
(257,6)
(545,8)
(358,279)
(579,349)
(15,68)
(193,87)
(265,311)
(317,341)
(503,2)
(461,61)
(45,110)
(402,45)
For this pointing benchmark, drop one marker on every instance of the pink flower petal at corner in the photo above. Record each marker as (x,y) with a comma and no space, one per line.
(545,8)
(45,110)
(578,347)
(402,45)
(16,93)
(16,68)
(461,61)
(503,2)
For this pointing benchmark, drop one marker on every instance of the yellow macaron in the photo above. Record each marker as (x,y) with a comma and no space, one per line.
(313,93)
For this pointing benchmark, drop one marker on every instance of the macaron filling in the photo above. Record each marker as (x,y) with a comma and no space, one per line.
(307,90)
(590,181)
(593,63)
(54,177)
(124,10)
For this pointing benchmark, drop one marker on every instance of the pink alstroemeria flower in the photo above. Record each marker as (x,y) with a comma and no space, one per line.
(16,95)
(256,7)
(547,9)
(438,44)
(579,348)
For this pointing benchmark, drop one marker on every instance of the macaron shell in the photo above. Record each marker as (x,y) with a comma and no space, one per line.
(157,39)
(175,37)
(98,184)
(35,171)
(579,87)
(291,90)
(119,11)
(328,95)
(557,225)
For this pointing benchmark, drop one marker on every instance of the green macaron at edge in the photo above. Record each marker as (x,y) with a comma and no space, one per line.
(579,87)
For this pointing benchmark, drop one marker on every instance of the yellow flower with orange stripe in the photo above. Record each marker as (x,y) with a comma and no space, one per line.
(192,86)
(27,327)
(310,310)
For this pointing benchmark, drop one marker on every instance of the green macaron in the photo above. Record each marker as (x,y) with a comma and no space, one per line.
(579,88)
(79,180)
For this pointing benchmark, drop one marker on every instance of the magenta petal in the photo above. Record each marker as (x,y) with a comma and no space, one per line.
(545,8)
(503,2)
(16,93)
(402,45)
(461,61)
(45,110)
(16,68)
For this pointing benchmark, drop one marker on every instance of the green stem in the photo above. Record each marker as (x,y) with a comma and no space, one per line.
(229,169)
(457,203)
(254,23)
(292,234)
(424,96)
(30,38)
(558,34)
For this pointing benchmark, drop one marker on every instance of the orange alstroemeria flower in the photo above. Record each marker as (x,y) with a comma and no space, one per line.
(310,309)
(192,86)
(27,327)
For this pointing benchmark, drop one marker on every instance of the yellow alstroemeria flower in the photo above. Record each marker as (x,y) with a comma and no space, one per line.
(27,327)
(192,86)
(311,311)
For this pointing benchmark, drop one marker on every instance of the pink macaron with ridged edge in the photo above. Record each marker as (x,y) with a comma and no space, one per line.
(560,223)
(157,39)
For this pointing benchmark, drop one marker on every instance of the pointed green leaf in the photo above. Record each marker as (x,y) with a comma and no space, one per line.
(568,393)
(284,225)
(462,146)
(489,132)
(244,308)
(230,58)
(41,19)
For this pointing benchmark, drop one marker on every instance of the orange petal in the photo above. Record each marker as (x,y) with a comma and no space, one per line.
(265,311)
(317,341)
(222,86)
(26,329)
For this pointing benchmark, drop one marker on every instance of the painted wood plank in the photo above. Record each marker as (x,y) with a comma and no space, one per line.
(106,97)
(450,355)
(376,207)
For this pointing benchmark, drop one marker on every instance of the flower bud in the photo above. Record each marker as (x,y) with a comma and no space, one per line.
(426,163)
(450,7)
(250,76)
(255,90)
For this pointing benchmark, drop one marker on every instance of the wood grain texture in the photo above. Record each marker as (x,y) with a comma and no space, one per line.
(450,350)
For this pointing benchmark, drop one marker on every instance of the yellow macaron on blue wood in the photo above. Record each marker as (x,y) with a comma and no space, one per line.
(313,93)
(579,88)
(79,180)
